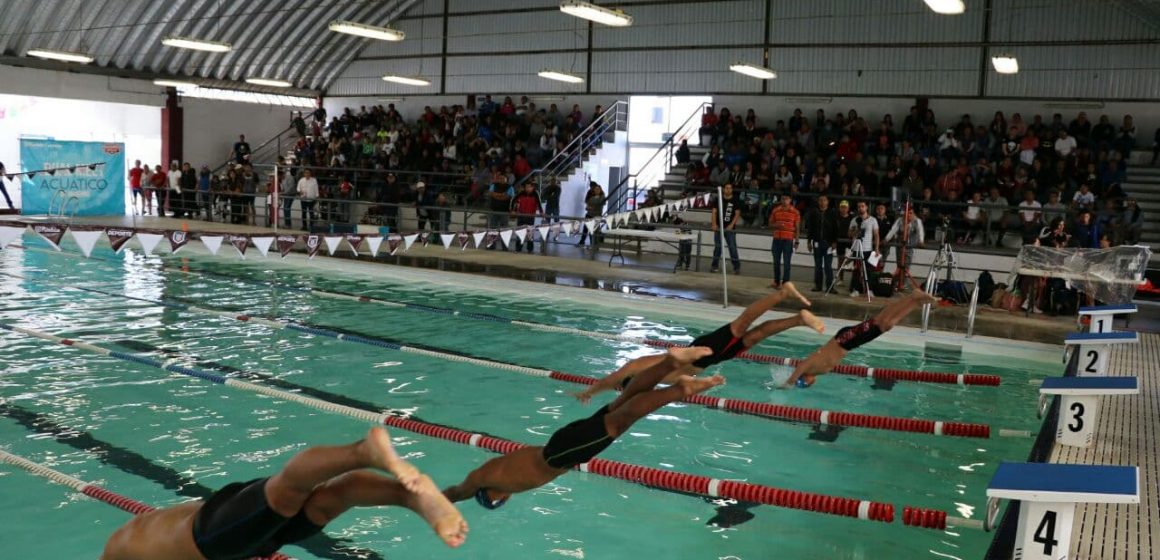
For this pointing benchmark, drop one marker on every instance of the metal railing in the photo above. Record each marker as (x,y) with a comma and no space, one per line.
(266,152)
(973,311)
(624,196)
(614,118)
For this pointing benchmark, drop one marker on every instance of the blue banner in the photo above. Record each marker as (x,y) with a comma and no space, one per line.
(91,192)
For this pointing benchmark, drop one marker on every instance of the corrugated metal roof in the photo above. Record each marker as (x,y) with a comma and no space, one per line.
(876,71)
(283,39)
(1088,72)
(1035,20)
(691,71)
(880,21)
(733,22)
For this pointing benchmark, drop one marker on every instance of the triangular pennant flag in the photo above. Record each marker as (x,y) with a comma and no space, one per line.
(354,240)
(332,243)
(521,234)
(240,242)
(543,232)
(448,239)
(506,237)
(211,242)
(286,244)
(149,241)
(177,239)
(556,228)
(567,227)
(591,225)
(52,233)
(373,243)
(463,239)
(705,198)
(632,217)
(393,242)
(478,239)
(408,240)
(8,234)
(87,239)
(313,243)
(262,244)
(425,237)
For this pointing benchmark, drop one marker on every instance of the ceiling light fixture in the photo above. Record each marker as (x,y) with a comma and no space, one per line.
(598,14)
(174,84)
(561,76)
(64,56)
(407,81)
(368,31)
(947,7)
(759,72)
(268,82)
(196,44)
(1005,64)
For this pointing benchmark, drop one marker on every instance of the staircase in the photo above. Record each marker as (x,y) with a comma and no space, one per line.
(281,144)
(1143,184)
(564,164)
(660,169)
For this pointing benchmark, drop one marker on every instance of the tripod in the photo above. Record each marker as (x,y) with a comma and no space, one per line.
(855,256)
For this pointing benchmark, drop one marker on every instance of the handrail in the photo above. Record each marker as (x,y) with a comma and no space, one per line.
(75,207)
(275,138)
(931,281)
(973,311)
(564,158)
(620,191)
(52,202)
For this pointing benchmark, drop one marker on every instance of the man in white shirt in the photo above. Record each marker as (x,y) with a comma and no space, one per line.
(308,194)
(1084,199)
(1029,216)
(174,178)
(1064,145)
(915,235)
(863,228)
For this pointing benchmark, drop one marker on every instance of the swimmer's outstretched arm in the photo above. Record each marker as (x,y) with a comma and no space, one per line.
(614,380)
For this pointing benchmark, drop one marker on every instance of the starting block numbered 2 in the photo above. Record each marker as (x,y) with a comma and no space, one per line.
(1095,349)
(1048,493)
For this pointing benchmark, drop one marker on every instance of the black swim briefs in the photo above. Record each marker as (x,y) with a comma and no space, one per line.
(578,442)
(237,522)
(850,338)
(725,346)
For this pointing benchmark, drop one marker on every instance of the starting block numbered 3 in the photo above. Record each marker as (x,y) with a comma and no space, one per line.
(1080,405)
(1048,493)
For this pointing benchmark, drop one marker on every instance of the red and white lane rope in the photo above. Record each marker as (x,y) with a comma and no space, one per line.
(89,489)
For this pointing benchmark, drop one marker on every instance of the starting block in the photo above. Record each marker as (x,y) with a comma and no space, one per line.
(1102,316)
(1080,405)
(1049,493)
(1096,348)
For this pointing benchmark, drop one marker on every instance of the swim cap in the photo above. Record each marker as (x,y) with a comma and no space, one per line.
(781,375)
(486,501)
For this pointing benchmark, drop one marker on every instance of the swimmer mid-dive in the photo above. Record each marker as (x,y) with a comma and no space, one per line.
(531,467)
(256,518)
(829,356)
(726,343)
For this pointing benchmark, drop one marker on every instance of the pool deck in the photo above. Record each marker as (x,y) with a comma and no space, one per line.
(568,265)
(1126,434)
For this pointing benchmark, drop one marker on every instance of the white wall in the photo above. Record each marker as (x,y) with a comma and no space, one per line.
(212,127)
(412,107)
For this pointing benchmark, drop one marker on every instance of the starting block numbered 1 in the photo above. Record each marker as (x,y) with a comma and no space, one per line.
(1095,349)
(1102,316)
(1080,405)
(1048,493)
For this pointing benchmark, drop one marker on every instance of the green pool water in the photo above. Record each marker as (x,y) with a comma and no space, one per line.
(162,438)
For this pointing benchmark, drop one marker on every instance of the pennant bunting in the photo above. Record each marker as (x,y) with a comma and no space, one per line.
(521,234)
(177,239)
(354,240)
(448,239)
(464,239)
(262,244)
(393,242)
(409,240)
(313,244)
(87,239)
(52,233)
(149,241)
(478,239)
(425,237)
(373,243)
(240,242)
(506,237)
(591,225)
(567,226)
(332,243)
(286,244)
(543,232)
(212,242)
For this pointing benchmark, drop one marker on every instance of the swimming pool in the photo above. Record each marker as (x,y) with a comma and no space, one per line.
(167,438)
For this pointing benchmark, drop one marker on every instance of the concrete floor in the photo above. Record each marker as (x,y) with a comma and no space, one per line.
(565,264)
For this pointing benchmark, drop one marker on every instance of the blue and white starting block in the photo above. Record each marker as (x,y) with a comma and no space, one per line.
(1102,316)
(1080,405)
(1049,493)
(1095,349)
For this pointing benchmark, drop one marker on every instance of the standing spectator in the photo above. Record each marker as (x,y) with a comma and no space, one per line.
(1126,137)
(973,218)
(500,195)
(390,195)
(173,189)
(135,175)
(1084,233)
(1030,216)
(708,126)
(203,200)
(910,227)
(188,196)
(1131,223)
(308,194)
(996,208)
(249,181)
(885,223)
(159,184)
(424,201)
(822,231)
(593,208)
(287,190)
(785,223)
(345,193)
(526,207)
(241,150)
(729,213)
(863,228)
(552,194)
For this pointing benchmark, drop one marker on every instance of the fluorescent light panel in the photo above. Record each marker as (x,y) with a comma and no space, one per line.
(368,31)
(759,72)
(65,56)
(1005,64)
(407,81)
(561,76)
(174,83)
(947,7)
(196,44)
(598,14)
(268,82)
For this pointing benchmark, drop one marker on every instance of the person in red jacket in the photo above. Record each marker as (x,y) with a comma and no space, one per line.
(526,206)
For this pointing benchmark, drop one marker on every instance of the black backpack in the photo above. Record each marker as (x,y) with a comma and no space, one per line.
(986,286)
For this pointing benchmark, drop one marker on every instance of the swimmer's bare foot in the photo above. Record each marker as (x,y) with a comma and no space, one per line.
(922,297)
(792,291)
(382,455)
(812,321)
(438,511)
(689,355)
(694,385)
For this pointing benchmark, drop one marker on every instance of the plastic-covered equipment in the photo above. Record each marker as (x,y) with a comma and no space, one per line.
(1109,275)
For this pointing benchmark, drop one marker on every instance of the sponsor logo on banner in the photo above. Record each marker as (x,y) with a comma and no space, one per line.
(286,244)
(463,239)
(425,237)
(177,240)
(355,240)
(393,242)
(111,149)
(490,238)
(240,242)
(313,243)
(52,233)
(118,238)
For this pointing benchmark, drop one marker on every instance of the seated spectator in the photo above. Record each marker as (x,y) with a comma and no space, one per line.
(1053,208)
(1065,145)
(996,208)
(720,174)
(683,156)
(1085,233)
(1055,235)
(972,218)
(1030,216)
(1084,199)
(950,184)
